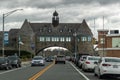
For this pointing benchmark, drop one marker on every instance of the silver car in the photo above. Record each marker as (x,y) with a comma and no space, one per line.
(60,59)
(38,61)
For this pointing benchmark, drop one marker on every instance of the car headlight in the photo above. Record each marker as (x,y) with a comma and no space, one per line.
(32,61)
(42,61)
(4,63)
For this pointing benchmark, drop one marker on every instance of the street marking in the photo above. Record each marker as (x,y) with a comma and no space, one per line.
(79,72)
(34,77)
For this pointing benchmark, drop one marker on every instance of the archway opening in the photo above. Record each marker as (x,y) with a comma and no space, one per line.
(55,50)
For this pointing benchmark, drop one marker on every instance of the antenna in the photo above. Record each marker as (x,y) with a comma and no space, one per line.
(94,27)
(103,36)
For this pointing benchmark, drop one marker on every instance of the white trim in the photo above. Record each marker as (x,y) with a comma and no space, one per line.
(102,30)
(113,35)
(108,49)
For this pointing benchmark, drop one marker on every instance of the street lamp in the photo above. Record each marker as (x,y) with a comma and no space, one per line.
(5,15)
(75,34)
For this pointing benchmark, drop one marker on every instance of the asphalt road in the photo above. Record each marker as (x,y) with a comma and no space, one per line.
(23,73)
(61,72)
(50,71)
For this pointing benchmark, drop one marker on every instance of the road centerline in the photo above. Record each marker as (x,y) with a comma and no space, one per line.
(34,77)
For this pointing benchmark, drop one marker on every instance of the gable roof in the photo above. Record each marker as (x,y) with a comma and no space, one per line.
(80,28)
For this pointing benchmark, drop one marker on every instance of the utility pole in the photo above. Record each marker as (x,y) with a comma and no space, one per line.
(4,16)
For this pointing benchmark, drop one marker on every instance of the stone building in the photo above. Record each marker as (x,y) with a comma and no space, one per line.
(73,36)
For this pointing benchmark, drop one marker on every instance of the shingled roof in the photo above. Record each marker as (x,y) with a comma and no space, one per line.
(66,28)
(80,28)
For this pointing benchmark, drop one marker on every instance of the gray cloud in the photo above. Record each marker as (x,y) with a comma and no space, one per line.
(51,3)
(69,11)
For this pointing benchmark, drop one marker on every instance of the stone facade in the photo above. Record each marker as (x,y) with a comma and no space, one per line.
(38,36)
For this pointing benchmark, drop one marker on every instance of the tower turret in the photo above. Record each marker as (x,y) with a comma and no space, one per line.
(55,19)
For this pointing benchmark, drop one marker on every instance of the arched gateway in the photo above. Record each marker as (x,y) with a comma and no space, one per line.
(73,36)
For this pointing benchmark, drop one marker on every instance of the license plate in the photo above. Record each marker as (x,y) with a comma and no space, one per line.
(115,66)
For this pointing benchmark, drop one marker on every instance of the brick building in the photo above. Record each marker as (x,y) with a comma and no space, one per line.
(109,43)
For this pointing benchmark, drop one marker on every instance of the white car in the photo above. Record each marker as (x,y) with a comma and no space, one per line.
(81,60)
(38,61)
(90,63)
(107,66)
(60,58)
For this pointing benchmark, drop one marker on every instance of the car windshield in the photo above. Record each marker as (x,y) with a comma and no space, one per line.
(2,59)
(60,56)
(12,57)
(37,58)
(112,60)
(84,57)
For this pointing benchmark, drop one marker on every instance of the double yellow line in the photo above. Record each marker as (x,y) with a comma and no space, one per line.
(41,72)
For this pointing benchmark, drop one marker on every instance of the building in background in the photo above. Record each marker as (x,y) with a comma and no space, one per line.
(76,37)
(109,43)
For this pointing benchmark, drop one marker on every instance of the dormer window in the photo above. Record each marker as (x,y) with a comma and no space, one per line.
(49,30)
(61,30)
(41,30)
(69,30)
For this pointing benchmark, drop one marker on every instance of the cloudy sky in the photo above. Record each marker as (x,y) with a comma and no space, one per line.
(70,11)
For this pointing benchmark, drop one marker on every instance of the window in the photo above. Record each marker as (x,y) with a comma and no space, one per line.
(89,38)
(62,39)
(102,40)
(83,38)
(49,30)
(42,39)
(69,30)
(116,42)
(68,39)
(41,30)
(61,30)
(47,38)
(53,39)
(57,39)
(112,60)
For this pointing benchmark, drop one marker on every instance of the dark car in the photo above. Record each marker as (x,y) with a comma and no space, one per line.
(5,63)
(49,59)
(15,61)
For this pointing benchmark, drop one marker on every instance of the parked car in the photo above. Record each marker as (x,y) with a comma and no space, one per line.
(38,61)
(81,60)
(60,59)
(5,63)
(109,66)
(15,61)
(78,57)
(90,63)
